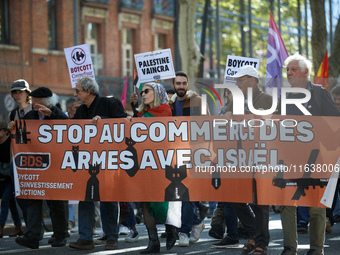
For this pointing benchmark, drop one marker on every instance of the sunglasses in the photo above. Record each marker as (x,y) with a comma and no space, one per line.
(242,79)
(146,91)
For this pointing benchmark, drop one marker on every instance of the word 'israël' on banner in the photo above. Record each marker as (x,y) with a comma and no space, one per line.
(176,158)
(79,62)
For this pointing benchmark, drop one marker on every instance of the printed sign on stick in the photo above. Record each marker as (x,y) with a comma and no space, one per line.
(234,63)
(79,62)
(155,65)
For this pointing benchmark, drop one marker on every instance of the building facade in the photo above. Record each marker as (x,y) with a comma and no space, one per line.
(34,34)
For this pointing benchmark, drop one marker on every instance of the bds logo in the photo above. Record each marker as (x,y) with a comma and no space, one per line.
(33,161)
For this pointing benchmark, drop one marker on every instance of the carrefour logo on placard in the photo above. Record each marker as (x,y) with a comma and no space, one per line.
(78,56)
(33,160)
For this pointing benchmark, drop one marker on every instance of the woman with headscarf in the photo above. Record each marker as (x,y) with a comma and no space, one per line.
(155,104)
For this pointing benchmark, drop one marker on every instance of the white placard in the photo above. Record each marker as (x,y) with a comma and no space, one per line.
(79,62)
(155,65)
(234,63)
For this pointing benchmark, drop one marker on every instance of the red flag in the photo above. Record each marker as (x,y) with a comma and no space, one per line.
(322,76)
(123,98)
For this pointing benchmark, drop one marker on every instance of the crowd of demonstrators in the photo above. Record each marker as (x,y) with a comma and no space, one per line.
(157,102)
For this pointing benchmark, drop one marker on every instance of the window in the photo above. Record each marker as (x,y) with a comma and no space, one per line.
(164,7)
(4,22)
(92,41)
(127,49)
(133,4)
(52,24)
(159,41)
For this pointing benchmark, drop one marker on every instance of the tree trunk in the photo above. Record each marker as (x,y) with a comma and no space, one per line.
(189,50)
(319,32)
(334,59)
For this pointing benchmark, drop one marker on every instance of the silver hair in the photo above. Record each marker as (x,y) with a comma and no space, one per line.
(70,101)
(87,83)
(303,62)
(49,102)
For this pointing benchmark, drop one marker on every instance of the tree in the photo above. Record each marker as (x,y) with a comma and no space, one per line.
(189,50)
(319,41)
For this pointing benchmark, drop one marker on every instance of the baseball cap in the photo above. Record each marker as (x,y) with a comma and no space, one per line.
(246,70)
(20,84)
(41,92)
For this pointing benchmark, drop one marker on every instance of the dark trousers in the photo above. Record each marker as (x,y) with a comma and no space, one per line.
(35,217)
(188,217)
(230,221)
(255,220)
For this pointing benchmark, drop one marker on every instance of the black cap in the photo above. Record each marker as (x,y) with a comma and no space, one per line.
(41,92)
(20,85)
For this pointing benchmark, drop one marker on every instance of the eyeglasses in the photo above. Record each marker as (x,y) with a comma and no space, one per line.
(146,91)
(77,91)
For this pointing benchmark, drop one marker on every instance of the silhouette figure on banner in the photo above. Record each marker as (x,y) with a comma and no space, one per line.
(130,143)
(75,153)
(176,191)
(92,187)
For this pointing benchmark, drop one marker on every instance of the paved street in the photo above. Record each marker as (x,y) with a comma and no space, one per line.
(203,246)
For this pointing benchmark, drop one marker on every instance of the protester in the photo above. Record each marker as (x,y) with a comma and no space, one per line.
(336,96)
(320,104)
(187,103)
(155,104)
(224,216)
(72,105)
(19,91)
(255,219)
(44,108)
(6,183)
(95,107)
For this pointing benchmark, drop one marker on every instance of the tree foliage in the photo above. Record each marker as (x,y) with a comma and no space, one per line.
(319,41)
(235,23)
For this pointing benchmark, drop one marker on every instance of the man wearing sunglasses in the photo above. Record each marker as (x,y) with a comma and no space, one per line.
(255,219)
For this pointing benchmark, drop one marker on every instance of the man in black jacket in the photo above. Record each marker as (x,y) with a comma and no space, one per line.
(43,102)
(95,107)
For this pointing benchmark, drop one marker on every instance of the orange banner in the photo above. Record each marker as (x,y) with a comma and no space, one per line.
(274,160)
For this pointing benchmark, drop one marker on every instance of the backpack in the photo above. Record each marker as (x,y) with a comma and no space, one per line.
(12,114)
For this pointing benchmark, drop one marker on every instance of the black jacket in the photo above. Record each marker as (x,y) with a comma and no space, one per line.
(102,106)
(324,107)
(55,115)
